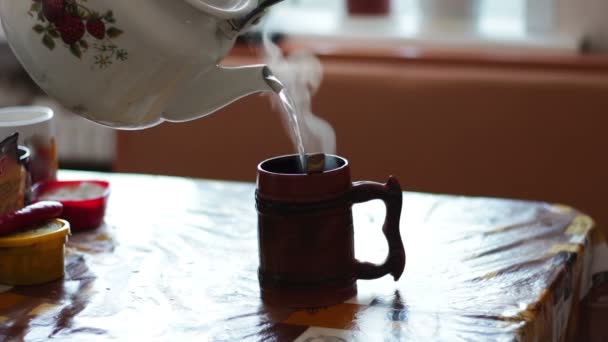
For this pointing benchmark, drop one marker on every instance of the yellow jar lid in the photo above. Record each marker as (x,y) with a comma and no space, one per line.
(50,230)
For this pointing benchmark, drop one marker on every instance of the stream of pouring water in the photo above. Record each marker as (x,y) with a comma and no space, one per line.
(295,79)
(289,108)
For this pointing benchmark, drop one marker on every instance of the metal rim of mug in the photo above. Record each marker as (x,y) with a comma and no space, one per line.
(261,168)
(37,115)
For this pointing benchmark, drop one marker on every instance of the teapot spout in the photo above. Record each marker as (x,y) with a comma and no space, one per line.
(216,89)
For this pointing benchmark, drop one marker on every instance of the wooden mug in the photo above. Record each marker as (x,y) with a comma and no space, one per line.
(306,237)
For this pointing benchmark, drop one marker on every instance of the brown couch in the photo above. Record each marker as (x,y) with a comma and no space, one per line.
(503,128)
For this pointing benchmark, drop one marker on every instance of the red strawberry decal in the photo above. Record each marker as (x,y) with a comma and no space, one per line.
(69,21)
(53,10)
(96,28)
(71,29)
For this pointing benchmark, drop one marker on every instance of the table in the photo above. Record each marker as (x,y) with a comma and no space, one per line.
(177,258)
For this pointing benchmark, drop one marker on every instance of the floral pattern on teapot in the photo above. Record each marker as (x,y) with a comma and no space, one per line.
(80,28)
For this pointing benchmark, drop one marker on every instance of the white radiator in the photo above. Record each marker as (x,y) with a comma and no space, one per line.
(79,140)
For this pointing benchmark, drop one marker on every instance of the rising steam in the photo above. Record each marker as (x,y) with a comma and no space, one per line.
(301,73)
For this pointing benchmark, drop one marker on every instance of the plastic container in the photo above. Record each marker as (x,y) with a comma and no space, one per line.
(83,214)
(34,256)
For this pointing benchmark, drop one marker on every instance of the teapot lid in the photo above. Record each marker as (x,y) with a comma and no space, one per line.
(225,9)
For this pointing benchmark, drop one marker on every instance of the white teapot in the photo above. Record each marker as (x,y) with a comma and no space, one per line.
(132,64)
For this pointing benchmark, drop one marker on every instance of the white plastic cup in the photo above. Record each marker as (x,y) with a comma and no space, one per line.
(37,132)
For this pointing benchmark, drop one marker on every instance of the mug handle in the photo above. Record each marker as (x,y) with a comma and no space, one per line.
(392,196)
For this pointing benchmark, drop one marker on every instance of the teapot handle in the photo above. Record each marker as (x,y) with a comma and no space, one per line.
(256,14)
(234,9)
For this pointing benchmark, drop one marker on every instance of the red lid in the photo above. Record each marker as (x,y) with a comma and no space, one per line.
(87,213)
